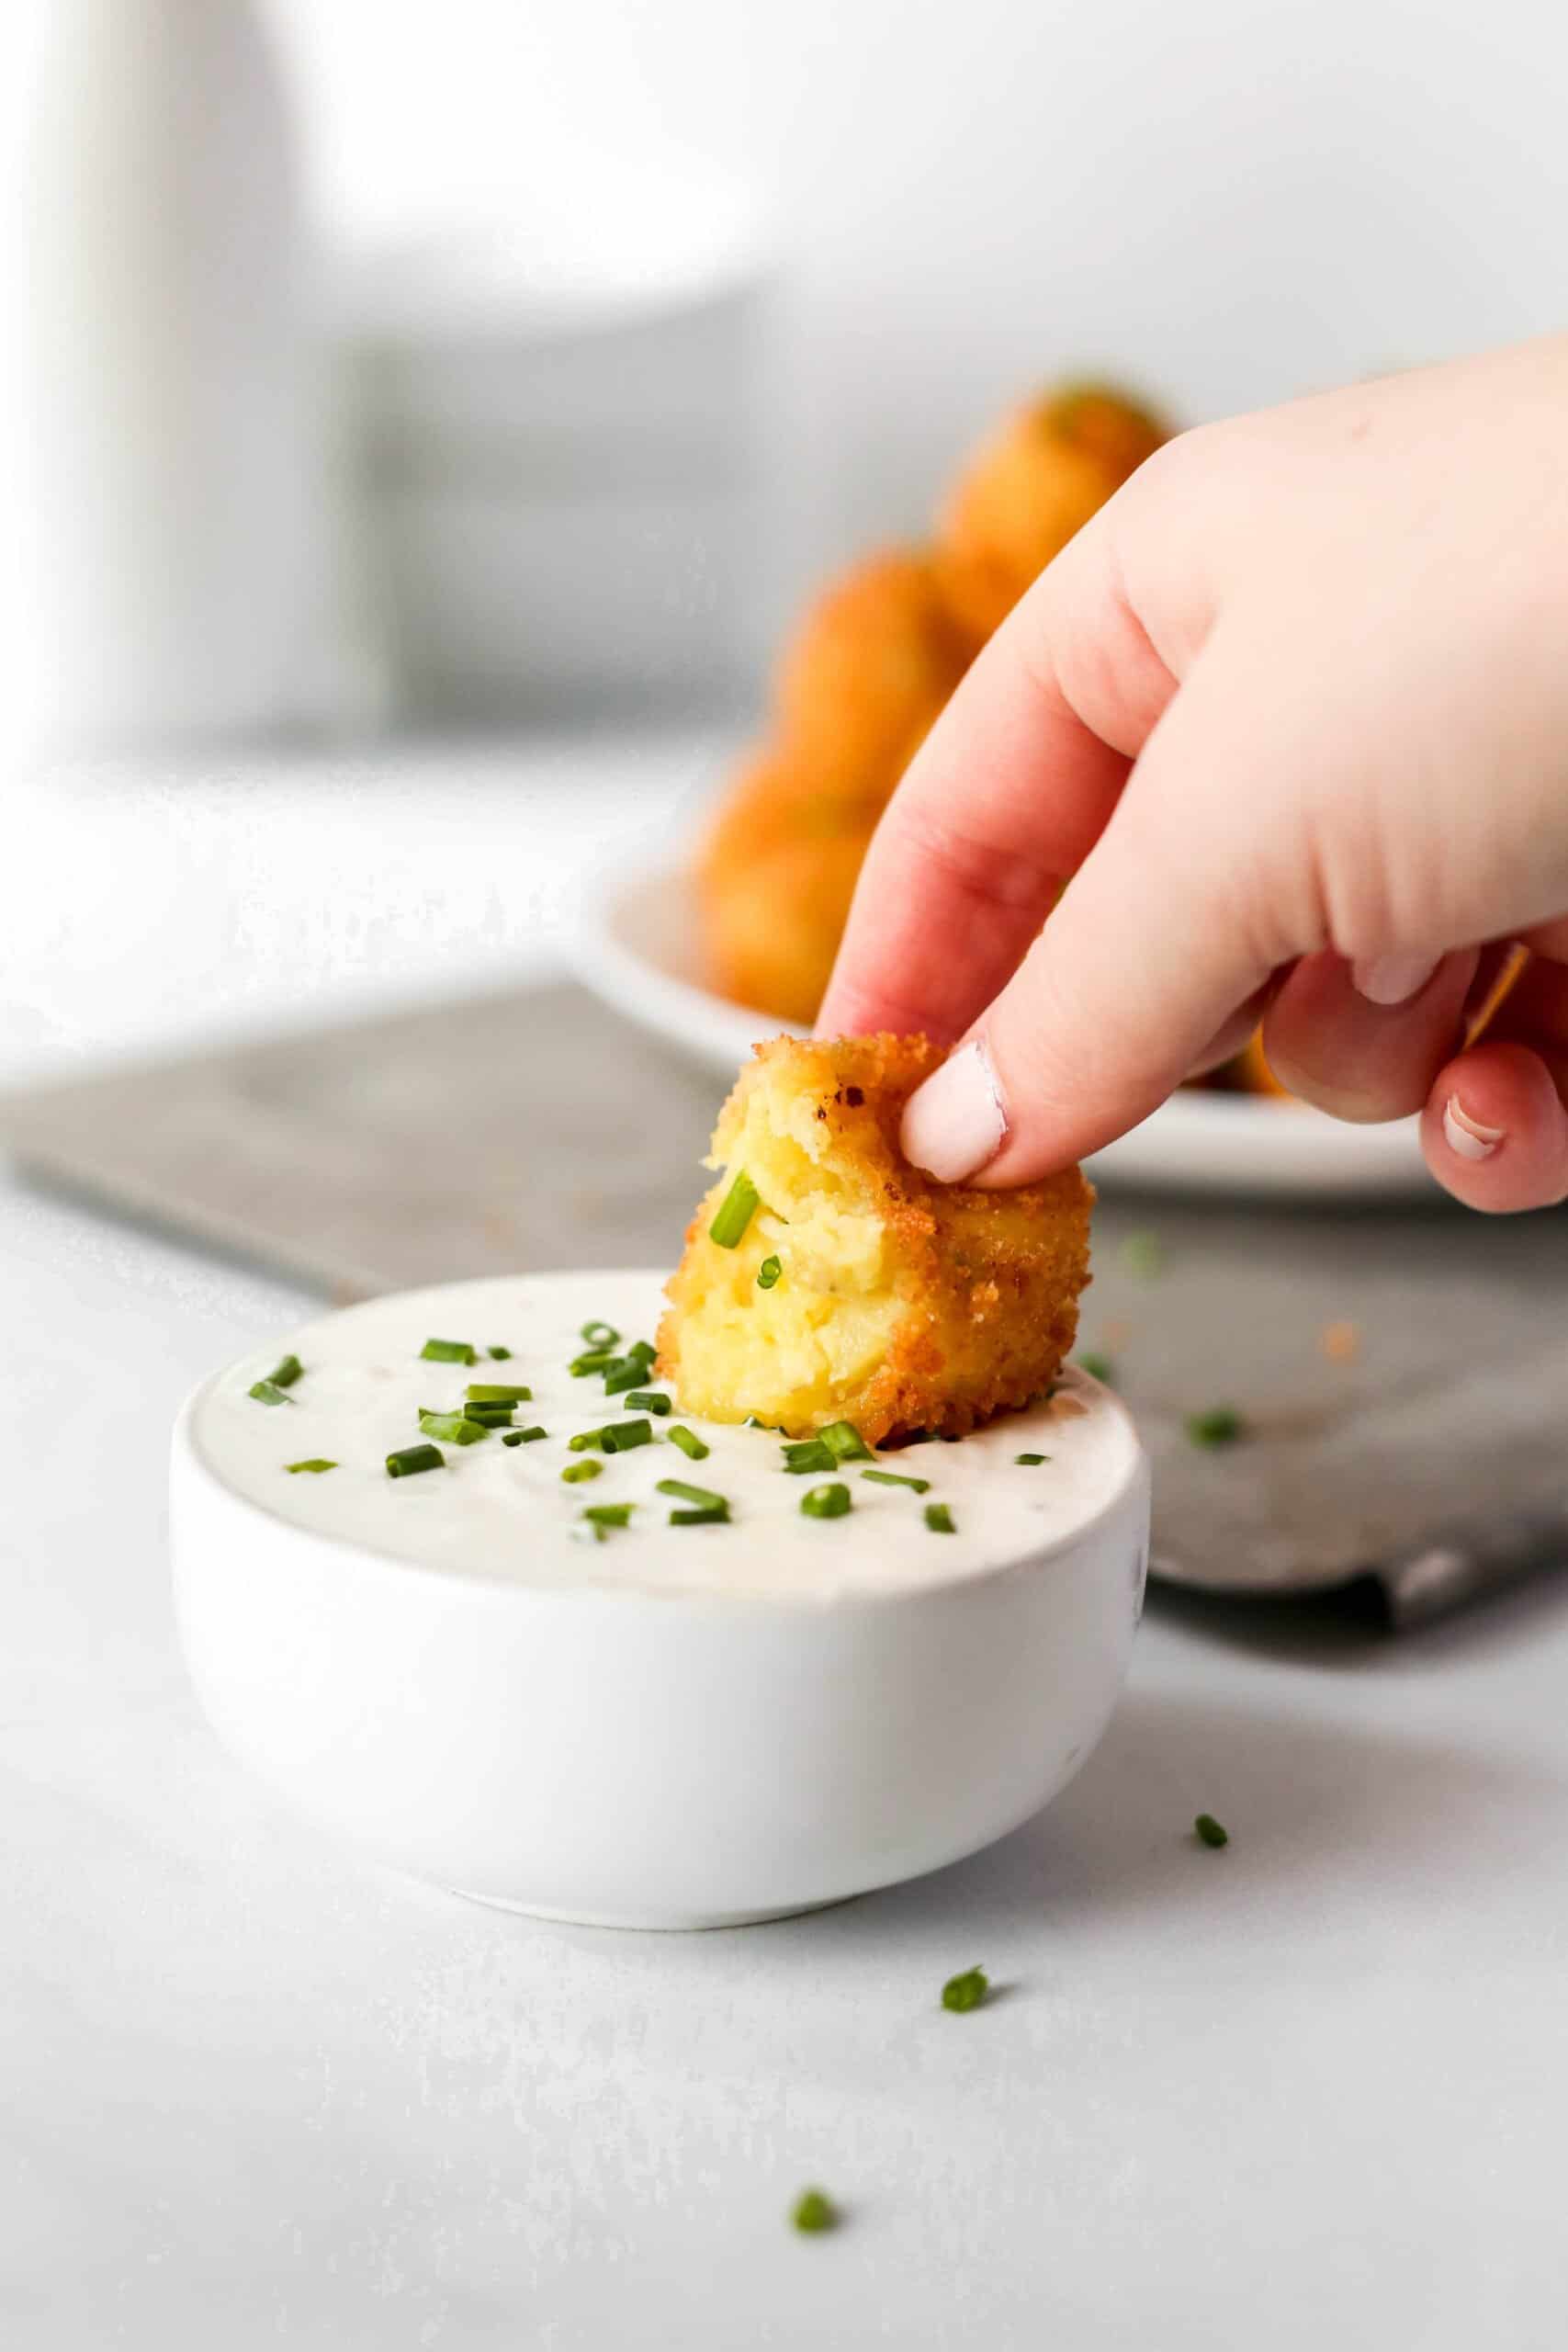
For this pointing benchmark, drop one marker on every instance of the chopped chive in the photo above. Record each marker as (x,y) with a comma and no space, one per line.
(411,1459)
(1099,1368)
(315,1461)
(704,1496)
(690,1444)
(452,1429)
(825,1502)
(481,1392)
(596,1360)
(939,1519)
(609,1514)
(644,1348)
(284,1375)
(965,1991)
(523,1437)
(808,1454)
(652,1400)
(768,1273)
(1221,1425)
(1142,1254)
(600,1335)
(490,1417)
(622,1373)
(1031,1461)
(1210,1832)
(499,1355)
(575,1472)
(621,1437)
(891,1478)
(267,1391)
(845,1443)
(719,1518)
(586,1442)
(448,1352)
(737,1208)
(812,2212)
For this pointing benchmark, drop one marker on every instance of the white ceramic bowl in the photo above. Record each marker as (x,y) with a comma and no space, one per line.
(619,1750)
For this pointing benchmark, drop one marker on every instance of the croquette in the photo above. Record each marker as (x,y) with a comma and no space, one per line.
(775,880)
(846,1285)
(1035,483)
(866,673)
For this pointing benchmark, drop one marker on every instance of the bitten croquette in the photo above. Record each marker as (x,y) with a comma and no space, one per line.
(896,1304)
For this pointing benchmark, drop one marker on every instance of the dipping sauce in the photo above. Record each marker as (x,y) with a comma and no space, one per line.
(502,1511)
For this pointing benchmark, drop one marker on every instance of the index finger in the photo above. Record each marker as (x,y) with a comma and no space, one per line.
(1001,805)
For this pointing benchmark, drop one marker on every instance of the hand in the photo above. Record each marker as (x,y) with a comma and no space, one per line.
(1291,715)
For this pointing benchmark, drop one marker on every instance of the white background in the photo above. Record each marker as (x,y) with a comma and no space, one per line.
(1229,201)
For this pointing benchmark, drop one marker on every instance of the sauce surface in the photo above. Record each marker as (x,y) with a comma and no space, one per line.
(503,1512)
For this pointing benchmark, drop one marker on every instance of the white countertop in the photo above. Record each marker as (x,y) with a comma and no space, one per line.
(1302,2092)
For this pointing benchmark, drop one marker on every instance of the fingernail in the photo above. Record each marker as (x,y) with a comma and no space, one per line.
(1467,1136)
(1391,979)
(954,1123)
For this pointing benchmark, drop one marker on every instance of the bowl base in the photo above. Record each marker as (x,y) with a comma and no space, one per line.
(663,1923)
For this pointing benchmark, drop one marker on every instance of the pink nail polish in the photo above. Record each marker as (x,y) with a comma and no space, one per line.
(955,1123)
(1391,979)
(1466,1135)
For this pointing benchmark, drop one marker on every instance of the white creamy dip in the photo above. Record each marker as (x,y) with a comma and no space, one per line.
(500,1511)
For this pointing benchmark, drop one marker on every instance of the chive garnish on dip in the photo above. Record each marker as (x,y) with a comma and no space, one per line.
(483,1392)
(845,1443)
(596,1360)
(1208,1831)
(284,1375)
(622,1373)
(1221,1425)
(620,1437)
(267,1391)
(825,1502)
(965,1991)
(712,1506)
(499,1355)
(586,1442)
(891,1478)
(690,1443)
(1031,1461)
(315,1462)
(768,1273)
(609,1514)
(652,1400)
(939,1519)
(410,1460)
(735,1211)
(600,1335)
(575,1472)
(448,1352)
(490,1417)
(807,1454)
(452,1429)
(523,1437)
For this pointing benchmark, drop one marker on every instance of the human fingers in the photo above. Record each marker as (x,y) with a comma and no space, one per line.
(1002,803)
(1366,1043)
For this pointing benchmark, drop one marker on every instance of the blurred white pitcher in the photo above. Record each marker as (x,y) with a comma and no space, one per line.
(153,476)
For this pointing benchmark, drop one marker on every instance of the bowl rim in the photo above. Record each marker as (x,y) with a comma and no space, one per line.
(186,1453)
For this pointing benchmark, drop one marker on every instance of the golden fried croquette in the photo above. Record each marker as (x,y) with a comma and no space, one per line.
(1030,488)
(1253,1071)
(867,672)
(775,881)
(897,1304)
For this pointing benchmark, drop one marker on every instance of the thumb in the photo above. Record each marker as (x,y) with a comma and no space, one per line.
(1181,911)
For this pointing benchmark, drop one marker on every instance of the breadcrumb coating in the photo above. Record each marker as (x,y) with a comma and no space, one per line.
(900,1305)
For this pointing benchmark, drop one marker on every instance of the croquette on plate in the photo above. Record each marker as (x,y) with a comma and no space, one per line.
(775,880)
(1026,491)
(824,1278)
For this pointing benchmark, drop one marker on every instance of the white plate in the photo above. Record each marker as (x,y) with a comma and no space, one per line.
(639,950)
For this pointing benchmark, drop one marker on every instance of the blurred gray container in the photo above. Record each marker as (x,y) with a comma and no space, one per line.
(555,492)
